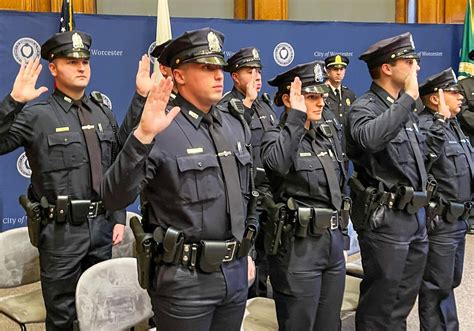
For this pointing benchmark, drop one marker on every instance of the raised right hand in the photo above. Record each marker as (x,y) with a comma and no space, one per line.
(154,117)
(411,82)
(296,98)
(24,89)
(443,108)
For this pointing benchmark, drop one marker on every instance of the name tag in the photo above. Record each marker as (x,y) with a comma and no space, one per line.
(305,154)
(63,129)
(196,150)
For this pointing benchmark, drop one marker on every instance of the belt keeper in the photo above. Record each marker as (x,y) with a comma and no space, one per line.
(193,255)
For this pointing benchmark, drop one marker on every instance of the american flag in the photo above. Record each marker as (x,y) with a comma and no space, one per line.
(66,22)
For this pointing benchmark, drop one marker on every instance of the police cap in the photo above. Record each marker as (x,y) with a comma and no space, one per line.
(70,44)
(445,80)
(245,57)
(158,49)
(390,49)
(197,46)
(336,61)
(312,76)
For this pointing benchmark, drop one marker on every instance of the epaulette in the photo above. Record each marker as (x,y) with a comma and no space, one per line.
(97,98)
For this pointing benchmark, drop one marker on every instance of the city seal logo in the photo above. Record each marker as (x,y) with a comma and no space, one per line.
(150,49)
(26,49)
(23,166)
(283,54)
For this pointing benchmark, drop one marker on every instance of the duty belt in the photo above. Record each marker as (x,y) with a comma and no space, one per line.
(405,198)
(74,210)
(314,221)
(451,211)
(207,255)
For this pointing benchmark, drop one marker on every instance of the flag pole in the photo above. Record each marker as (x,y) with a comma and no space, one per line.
(163,30)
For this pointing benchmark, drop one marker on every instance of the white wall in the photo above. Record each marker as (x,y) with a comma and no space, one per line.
(178,8)
(342,10)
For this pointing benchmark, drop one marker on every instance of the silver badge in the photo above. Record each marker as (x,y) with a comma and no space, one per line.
(213,41)
(318,73)
(77,41)
(255,54)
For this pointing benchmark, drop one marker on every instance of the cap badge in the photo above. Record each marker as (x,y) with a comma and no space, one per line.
(338,59)
(318,73)
(412,43)
(255,54)
(213,41)
(77,41)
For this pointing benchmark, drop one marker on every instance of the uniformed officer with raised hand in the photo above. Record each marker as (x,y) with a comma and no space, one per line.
(307,270)
(70,140)
(452,165)
(245,68)
(389,188)
(192,165)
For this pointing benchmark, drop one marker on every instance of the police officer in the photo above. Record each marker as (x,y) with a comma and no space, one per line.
(453,168)
(245,68)
(340,97)
(164,70)
(23,91)
(389,187)
(194,173)
(307,272)
(70,140)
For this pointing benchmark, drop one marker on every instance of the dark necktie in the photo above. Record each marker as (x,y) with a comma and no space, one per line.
(417,153)
(331,175)
(92,144)
(463,142)
(339,96)
(230,171)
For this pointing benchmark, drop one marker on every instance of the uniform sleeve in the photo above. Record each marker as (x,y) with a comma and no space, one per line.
(9,108)
(118,216)
(124,180)
(279,146)
(132,118)
(435,138)
(371,132)
(20,131)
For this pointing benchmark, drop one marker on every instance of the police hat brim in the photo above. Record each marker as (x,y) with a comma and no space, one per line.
(209,60)
(319,89)
(250,64)
(336,65)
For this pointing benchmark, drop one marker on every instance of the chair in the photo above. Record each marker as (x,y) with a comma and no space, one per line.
(108,296)
(19,265)
(260,314)
(126,247)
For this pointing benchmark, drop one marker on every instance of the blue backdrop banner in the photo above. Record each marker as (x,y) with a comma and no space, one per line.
(119,42)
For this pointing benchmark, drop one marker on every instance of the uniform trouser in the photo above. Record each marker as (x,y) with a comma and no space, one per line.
(66,251)
(259,287)
(308,277)
(443,273)
(185,299)
(393,253)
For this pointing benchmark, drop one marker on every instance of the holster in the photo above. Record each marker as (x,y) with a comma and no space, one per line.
(364,203)
(144,248)
(277,214)
(33,212)
(172,244)
(419,200)
(453,212)
(212,255)
(79,211)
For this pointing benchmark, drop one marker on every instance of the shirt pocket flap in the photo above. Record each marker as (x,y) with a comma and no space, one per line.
(63,138)
(106,136)
(244,157)
(197,162)
(453,150)
(307,164)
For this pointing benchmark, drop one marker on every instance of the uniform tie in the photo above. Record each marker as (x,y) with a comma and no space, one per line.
(231,177)
(92,144)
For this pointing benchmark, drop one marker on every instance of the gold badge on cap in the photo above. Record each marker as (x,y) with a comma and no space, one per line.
(338,60)
(213,41)
(318,73)
(348,102)
(77,41)
(255,54)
